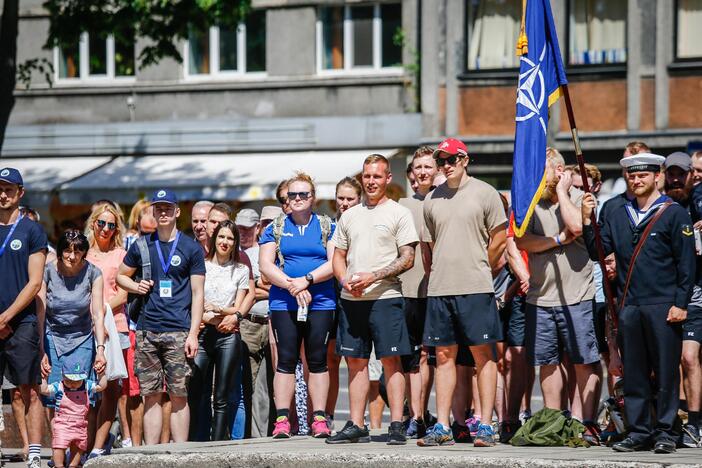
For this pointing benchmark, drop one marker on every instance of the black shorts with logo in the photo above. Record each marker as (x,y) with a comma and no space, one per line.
(465,320)
(415,315)
(19,355)
(379,323)
(513,319)
(692,326)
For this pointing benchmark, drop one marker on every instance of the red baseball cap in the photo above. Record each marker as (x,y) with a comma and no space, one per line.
(451,146)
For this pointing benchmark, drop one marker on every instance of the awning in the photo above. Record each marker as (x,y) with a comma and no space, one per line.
(244,177)
(42,175)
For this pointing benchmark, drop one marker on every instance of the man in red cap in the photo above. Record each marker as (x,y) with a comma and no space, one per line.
(466,231)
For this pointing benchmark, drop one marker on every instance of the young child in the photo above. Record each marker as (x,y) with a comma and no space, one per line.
(70,423)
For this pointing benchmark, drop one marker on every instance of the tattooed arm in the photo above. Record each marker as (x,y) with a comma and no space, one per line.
(360,281)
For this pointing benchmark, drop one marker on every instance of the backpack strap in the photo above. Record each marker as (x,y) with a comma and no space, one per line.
(326,224)
(145,258)
(278,225)
(639,246)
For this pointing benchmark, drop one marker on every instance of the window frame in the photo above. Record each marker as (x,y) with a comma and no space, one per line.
(84,76)
(215,73)
(377,52)
(677,59)
(483,73)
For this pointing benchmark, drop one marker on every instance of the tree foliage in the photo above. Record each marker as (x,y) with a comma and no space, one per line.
(162,23)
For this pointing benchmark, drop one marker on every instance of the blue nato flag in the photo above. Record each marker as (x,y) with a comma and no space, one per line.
(541,75)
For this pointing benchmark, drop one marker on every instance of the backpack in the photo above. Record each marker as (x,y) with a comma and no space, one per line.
(135,302)
(550,428)
(325,223)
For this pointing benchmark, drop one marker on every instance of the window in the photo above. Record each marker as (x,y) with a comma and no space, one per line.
(226,52)
(359,37)
(688,20)
(493,30)
(96,58)
(597,32)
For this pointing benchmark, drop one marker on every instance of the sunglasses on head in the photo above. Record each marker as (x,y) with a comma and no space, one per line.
(101,224)
(451,160)
(302,195)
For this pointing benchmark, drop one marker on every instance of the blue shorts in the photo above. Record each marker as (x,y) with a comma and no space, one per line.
(84,352)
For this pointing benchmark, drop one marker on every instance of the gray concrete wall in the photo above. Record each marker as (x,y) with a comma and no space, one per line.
(291,41)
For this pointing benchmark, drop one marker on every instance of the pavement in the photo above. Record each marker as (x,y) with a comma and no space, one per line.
(306,452)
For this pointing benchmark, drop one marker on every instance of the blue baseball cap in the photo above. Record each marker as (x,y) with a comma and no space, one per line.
(72,369)
(164,196)
(11,175)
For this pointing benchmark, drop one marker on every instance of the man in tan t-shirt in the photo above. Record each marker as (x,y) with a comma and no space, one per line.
(374,243)
(466,229)
(414,289)
(560,300)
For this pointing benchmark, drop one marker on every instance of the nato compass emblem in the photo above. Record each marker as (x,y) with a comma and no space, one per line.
(532,92)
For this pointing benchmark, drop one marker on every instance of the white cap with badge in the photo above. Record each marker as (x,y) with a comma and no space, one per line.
(642,162)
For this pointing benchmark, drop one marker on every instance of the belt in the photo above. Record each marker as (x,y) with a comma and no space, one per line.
(260,319)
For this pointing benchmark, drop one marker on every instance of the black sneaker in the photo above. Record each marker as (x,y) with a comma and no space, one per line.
(508,429)
(690,436)
(350,434)
(429,420)
(396,434)
(461,434)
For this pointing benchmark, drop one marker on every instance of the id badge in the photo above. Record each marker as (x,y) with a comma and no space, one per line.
(165,288)
(302,314)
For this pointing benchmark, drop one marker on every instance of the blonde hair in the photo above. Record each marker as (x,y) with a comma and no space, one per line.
(117,239)
(636,147)
(377,158)
(697,154)
(135,214)
(302,177)
(554,157)
(592,172)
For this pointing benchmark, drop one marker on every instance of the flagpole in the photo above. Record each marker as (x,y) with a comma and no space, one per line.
(593,217)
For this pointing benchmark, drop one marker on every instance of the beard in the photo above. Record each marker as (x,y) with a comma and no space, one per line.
(678,192)
(549,190)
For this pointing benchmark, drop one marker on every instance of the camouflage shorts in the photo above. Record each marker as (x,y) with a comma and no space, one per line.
(161,356)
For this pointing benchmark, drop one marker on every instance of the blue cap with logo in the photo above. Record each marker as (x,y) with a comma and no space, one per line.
(72,369)
(164,196)
(11,175)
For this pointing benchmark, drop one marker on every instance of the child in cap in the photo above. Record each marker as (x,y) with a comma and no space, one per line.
(70,424)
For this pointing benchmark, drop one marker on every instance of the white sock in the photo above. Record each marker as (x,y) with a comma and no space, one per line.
(97,451)
(34,451)
(126,442)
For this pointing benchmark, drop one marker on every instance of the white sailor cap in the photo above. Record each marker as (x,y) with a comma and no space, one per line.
(642,162)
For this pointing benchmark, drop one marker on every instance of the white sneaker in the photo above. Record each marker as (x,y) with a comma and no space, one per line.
(35,462)
(126,443)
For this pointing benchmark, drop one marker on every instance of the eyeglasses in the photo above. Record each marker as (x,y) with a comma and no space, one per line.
(295,195)
(101,224)
(451,160)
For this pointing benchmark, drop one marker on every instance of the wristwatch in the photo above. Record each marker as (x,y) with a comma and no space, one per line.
(309,278)
(239,317)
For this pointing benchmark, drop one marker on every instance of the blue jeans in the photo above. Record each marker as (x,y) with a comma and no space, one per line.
(236,404)
(84,353)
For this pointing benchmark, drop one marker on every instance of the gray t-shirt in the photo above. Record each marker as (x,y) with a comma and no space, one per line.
(68,318)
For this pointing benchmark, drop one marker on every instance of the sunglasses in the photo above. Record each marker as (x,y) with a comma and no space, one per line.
(295,195)
(451,160)
(101,224)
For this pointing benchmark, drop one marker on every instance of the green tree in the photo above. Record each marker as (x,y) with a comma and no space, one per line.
(163,23)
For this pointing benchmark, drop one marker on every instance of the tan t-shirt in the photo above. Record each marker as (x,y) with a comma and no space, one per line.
(459,222)
(414,280)
(372,236)
(562,275)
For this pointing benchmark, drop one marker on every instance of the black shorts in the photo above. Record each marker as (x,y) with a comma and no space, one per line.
(692,326)
(290,334)
(19,355)
(600,317)
(415,315)
(379,323)
(466,320)
(513,320)
(335,324)
(464,357)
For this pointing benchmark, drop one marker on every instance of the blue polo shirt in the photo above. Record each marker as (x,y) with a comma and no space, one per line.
(168,314)
(303,252)
(27,239)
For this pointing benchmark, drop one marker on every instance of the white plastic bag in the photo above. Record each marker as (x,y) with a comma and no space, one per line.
(115,368)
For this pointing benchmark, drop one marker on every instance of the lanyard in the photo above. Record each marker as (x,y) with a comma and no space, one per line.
(166,265)
(9,235)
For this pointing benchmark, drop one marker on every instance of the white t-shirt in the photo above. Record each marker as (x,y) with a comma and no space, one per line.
(223,282)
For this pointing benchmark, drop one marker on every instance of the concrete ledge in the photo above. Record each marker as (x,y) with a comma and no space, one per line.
(304,452)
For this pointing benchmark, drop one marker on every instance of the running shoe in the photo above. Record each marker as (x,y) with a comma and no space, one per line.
(319,428)
(461,434)
(690,436)
(438,435)
(473,424)
(524,416)
(592,433)
(396,434)
(485,437)
(350,434)
(281,430)
(508,429)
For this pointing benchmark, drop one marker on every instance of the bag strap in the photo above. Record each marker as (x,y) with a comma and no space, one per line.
(145,258)
(278,225)
(325,223)
(638,248)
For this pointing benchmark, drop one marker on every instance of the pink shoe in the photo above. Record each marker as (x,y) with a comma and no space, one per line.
(281,430)
(320,430)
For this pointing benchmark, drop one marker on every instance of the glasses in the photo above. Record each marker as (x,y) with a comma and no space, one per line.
(101,224)
(301,195)
(451,160)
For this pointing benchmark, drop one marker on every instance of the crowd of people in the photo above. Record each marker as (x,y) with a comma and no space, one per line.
(239,330)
